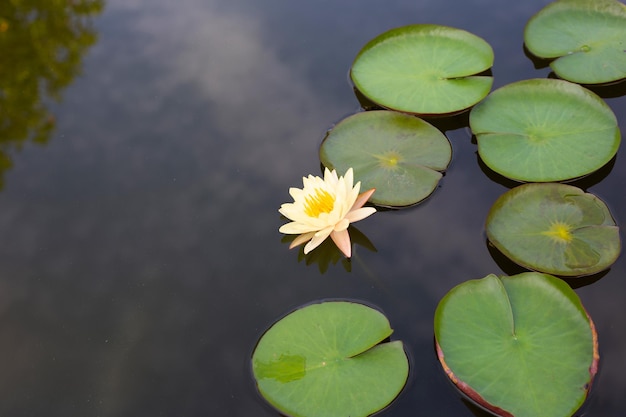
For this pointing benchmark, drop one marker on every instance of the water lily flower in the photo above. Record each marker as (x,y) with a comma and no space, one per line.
(325,207)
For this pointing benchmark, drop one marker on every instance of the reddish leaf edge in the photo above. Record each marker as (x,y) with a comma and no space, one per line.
(481,402)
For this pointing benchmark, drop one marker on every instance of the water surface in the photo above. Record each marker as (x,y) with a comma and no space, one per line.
(140,257)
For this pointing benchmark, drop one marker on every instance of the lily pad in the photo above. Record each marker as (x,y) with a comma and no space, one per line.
(587,38)
(554,228)
(424,69)
(543,130)
(399,155)
(329,359)
(520,346)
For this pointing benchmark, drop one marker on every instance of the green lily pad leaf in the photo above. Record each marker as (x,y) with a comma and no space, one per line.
(399,155)
(520,346)
(327,359)
(554,228)
(544,130)
(424,69)
(587,38)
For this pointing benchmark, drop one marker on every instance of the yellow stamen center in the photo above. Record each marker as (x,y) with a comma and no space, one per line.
(389,160)
(560,232)
(319,202)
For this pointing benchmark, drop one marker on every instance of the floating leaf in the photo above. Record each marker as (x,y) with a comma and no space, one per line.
(327,359)
(544,130)
(587,38)
(424,69)
(401,156)
(554,228)
(519,346)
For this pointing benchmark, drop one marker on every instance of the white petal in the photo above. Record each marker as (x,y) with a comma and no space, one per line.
(286,208)
(310,182)
(351,197)
(362,198)
(341,225)
(349,178)
(360,214)
(301,239)
(317,240)
(352,193)
(330,177)
(324,232)
(293,213)
(295,228)
(295,193)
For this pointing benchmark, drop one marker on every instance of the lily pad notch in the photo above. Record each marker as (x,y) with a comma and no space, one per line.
(518,346)
(330,358)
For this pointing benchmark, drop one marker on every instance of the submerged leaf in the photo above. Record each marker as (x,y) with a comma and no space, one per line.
(554,228)
(400,156)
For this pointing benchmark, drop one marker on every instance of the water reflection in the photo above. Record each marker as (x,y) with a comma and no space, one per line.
(511,268)
(583,182)
(613,90)
(43,42)
(327,252)
(609,90)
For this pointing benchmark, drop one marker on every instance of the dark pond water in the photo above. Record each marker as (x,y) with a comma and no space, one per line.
(140,257)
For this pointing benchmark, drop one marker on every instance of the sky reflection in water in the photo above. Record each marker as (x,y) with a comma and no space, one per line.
(140,258)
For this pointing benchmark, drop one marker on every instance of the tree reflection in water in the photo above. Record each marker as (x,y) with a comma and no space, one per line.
(42,43)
